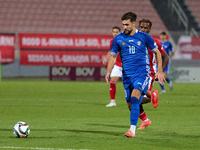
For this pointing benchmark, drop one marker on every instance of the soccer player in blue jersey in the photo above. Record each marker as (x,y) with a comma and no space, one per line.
(170,52)
(132,46)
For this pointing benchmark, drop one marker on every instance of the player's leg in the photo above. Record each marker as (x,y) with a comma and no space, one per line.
(145,120)
(116,73)
(139,87)
(167,79)
(128,90)
(170,83)
(146,99)
(134,113)
(151,97)
(113,82)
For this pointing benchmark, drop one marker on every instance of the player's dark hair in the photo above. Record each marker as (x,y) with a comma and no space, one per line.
(129,15)
(163,33)
(116,27)
(146,21)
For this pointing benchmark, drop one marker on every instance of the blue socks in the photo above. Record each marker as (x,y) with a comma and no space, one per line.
(162,87)
(168,80)
(135,110)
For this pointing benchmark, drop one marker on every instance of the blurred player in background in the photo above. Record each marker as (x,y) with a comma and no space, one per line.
(145,26)
(132,47)
(116,72)
(170,52)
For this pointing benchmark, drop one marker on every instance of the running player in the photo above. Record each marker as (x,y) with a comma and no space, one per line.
(145,25)
(116,72)
(170,52)
(132,47)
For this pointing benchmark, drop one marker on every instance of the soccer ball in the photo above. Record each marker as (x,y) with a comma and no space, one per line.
(21,129)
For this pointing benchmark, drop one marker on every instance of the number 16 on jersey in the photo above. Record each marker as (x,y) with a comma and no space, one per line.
(131,49)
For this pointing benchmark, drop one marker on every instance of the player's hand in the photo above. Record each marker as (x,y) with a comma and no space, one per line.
(160,77)
(105,61)
(107,77)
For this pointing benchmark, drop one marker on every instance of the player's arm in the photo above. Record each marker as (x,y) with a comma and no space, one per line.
(165,60)
(113,53)
(172,51)
(154,48)
(159,60)
(106,58)
(110,66)
(159,74)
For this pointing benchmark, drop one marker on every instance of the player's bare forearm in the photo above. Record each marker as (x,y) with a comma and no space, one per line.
(106,58)
(108,55)
(159,74)
(165,60)
(159,60)
(110,66)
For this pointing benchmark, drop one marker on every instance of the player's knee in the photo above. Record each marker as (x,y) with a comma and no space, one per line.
(114,79)
(136,93)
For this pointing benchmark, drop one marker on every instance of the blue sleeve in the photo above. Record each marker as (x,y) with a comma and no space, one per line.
(171,48)
(114,48)
(151,43)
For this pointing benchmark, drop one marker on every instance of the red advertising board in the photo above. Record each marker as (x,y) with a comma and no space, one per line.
(190,47)
(7,45)
(63,50)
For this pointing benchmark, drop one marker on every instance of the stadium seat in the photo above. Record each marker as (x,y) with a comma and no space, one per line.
(68,16)
(194,6)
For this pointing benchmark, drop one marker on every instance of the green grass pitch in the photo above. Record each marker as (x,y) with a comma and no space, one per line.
(72,115)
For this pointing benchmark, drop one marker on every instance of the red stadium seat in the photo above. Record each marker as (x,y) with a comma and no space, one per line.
(68,16)
(194,6)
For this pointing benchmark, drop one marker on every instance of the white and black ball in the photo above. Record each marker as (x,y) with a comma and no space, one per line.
(21,130)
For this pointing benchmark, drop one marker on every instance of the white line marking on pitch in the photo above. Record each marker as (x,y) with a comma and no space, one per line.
(12,147)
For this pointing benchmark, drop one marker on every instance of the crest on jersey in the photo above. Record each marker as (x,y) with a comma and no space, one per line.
(123,43)
(138,43)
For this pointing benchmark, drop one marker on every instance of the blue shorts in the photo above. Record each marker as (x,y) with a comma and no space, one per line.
(168,67)
(131,83)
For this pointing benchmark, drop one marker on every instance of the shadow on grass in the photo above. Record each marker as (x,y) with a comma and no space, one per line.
(86,103)
(68,130)
(81,131)
(109,125)
(5,129)
(35,137)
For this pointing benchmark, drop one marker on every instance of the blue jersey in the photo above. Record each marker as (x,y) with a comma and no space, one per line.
(168,47)
(134,54)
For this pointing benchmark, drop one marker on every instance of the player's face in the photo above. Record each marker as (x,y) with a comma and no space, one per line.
(162,37)
(143,26)
(115,32)
(128,26)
